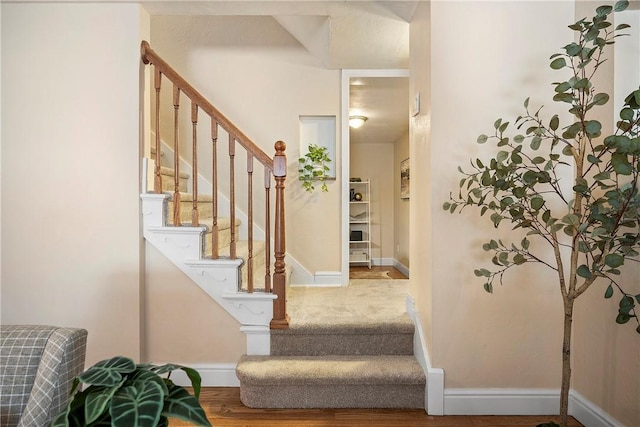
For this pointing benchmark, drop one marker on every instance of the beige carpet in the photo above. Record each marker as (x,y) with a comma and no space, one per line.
(373,301)
(380,275)
(347,347)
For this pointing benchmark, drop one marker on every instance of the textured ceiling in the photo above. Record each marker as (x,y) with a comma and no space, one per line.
(385,102)
(340,35)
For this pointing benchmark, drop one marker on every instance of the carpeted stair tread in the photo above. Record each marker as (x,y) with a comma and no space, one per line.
(188,197)
(331,382)
(166,171)
(357,338)
(224,223)
(329,370)
(401,324)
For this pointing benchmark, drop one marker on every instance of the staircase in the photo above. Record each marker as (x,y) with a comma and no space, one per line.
(354,365)
(200,233)
(190,249)
(316,364)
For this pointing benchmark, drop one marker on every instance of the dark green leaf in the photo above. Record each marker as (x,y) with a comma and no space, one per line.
(535,142)
(108,372)
(621,165)
(488,287)
(593,128)
(134,406)
(571,219)
(621,5)
(593,159)
(613,260)
(538,160)
(583,271)
(180,404)
(558,63)
(609,292)
(97,400)
(622,318)
(482,139)
(537,203)
(600,99)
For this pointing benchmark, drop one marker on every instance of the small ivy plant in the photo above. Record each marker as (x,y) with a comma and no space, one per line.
(313,167)
(121,393)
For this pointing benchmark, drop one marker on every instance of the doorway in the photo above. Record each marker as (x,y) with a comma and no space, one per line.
(373,153)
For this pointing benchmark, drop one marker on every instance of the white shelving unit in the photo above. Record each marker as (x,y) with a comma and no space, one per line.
(360,223)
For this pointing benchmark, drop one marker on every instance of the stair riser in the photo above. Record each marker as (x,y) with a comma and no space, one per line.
(224,239)
(168,183)
(333,396)
(341,344)
(205,210)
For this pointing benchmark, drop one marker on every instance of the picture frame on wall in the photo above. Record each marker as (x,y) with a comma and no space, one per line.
(404,179)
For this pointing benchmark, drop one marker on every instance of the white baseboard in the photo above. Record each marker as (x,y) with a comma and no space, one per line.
(434,393)
(524,402)
(501,401)
(391,262)
(213,375)
(327,278)
(401,267)
(589,414)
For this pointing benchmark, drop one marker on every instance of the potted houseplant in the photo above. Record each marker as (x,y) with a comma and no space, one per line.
(313,167)
(585,232)
(123,393)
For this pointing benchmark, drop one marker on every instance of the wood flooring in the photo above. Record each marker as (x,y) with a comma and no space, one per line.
(394,273)
(223,408)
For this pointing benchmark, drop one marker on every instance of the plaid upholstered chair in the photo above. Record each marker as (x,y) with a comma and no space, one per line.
(37,367)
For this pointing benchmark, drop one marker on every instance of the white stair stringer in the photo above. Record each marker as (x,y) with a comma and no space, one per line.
(219,278)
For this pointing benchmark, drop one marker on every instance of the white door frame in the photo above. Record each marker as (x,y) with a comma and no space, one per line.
(347,75)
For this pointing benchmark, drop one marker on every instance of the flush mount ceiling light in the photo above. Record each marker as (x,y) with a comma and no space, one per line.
(356,121)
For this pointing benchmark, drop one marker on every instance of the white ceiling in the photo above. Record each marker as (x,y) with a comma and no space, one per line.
(341,34)
(385,102)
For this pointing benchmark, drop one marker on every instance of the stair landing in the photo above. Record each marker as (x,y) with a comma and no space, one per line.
(347,347)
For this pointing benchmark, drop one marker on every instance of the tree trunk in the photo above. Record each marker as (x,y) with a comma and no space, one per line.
(566,362)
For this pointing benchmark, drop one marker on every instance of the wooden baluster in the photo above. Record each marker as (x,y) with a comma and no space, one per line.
(232,195)
(157,181)
(214,226)
(267,239)
(194,176)
(280,318)
(250,219)
(176,158)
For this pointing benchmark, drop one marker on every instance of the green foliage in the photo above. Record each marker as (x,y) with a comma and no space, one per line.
(313,168)
(121,393)
(598,222)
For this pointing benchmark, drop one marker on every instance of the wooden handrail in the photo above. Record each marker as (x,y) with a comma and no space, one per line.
(149,56)
(275,169)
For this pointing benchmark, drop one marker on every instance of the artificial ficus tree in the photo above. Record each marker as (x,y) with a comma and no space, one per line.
(588,232)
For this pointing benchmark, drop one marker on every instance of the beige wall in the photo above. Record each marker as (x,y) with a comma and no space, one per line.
(480,72)
(375,162)
(183,324)
(606,356)
(401,229)
(421,287)
(71,241)
(263,80)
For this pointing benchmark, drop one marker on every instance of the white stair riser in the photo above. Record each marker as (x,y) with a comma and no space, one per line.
(218,278)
